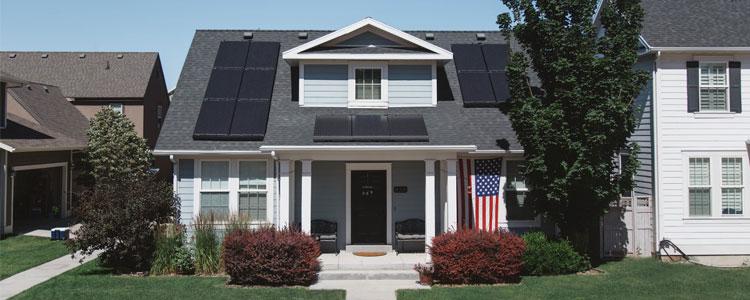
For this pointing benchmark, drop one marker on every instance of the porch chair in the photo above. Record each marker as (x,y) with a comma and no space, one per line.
(410,235)
(325,232)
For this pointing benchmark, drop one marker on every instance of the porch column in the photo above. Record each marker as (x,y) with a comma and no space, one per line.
(429,201)
(450,186)
(284,193)
(306,195)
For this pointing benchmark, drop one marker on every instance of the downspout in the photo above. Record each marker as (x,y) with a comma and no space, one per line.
(655,151)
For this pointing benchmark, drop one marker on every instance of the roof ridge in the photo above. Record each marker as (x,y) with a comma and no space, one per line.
(78,52)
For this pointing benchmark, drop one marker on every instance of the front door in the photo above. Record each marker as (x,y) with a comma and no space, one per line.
(369,207)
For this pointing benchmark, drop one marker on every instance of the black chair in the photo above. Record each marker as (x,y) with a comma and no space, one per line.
(326,233)
(410,236)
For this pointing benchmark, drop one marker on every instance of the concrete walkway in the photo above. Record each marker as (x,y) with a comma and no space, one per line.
(20,282)
(368,289)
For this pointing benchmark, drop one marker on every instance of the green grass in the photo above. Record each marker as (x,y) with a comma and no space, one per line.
(90,281)
(628,279)
(20,253)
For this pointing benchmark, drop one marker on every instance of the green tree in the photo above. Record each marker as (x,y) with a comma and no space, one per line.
(574,123)
(115,150)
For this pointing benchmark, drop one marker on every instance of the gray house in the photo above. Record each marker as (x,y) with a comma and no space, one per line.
(366,127)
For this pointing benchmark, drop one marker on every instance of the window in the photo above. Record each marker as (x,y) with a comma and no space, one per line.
(699,189)
(252,190)
(214,187)
(515,193)
(731,186)
(118,107)
(367,83)
(713,87)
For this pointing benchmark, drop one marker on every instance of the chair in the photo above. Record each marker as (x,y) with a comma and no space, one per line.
(410,236)
(326,233)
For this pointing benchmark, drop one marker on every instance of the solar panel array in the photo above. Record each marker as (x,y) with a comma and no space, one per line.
(481,73)
(238,96)
(370,128)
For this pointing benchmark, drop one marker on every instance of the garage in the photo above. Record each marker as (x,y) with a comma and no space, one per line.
(38,194)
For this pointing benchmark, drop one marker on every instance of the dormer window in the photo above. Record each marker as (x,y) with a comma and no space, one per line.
(367,83)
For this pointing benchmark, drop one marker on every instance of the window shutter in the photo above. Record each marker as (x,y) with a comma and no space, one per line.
(693,104)
(735,95)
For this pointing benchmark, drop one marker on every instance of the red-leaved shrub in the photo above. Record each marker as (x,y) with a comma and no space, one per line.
(469,256)
(269,256)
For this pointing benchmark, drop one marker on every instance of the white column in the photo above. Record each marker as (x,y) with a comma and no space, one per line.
(306,195)
(284,193)
(450,186)
(429,201)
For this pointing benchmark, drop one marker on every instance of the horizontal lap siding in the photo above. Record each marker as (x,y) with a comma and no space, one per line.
(329,195)
(643,183)
(680,132)
(185,184)
(326,85)
(410,84)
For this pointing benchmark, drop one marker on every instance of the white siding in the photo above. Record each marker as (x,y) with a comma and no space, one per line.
(681,135)
(326,85)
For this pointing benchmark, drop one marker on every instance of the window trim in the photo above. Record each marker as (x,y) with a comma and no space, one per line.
(234,189)
(725,87)
(710,188)
(199,185)
(723,186)
(537,221)
(352,85)
(265,191)
(716,183)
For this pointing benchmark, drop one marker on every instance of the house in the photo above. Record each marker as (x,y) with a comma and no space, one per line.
(42,131)
(366,127)
(128,82)
(697,104)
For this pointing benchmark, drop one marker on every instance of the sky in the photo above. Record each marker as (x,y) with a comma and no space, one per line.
(167,27)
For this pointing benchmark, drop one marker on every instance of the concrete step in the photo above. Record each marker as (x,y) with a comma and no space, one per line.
(368,275)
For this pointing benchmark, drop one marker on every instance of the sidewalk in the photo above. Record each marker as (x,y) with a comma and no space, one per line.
(368,289)
(20,282)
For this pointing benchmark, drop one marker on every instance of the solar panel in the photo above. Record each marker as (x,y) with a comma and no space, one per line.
(476,89)
(231,54)
(214,119)
(257,84)
(495,56)
(332,128)
(263,55)
(500,86)
(369,126)
(224,83)
(407,127)
(468,57)
(249,120)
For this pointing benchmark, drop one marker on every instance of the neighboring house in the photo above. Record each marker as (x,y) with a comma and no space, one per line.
(365,126)
(37,145)
(698,53)
(128,82)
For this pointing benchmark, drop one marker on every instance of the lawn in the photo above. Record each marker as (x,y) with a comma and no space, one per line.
(93,282)
(631,279)
(20,253)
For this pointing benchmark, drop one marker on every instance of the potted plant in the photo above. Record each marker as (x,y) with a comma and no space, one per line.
(425,273)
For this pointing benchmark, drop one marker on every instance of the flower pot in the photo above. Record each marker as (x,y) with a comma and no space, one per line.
(425,279)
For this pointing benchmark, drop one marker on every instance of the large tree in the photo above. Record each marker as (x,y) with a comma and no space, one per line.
(581,115)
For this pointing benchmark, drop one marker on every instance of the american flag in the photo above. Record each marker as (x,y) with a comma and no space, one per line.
(479,189)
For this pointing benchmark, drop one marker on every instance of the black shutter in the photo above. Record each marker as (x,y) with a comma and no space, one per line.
(693,104)
(735,95)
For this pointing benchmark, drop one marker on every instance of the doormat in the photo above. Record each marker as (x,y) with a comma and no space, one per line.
(369,254)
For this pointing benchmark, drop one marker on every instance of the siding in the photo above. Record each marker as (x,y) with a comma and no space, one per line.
(643,135)
(409,85)
(680,133)
(326,85)
(185,184)
(3,184)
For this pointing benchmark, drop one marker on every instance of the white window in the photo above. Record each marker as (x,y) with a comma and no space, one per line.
(252,192)
(731,186)
(214,188)
(699,189)
(515,193)
(118,107)
(367,83)
(713,87)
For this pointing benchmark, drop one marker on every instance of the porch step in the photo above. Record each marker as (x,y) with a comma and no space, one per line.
(369,248)
(368,275)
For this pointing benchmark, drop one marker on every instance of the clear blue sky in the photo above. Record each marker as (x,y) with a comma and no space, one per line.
(168,26)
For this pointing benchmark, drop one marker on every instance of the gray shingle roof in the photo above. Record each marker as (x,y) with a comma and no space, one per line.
(96,75)
(289,124)
(696,23)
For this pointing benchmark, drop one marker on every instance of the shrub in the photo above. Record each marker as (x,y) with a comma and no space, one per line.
(183,261)
(549,257)
(119,218)
(207,244)
(169,240)
(469,256)
(271,257)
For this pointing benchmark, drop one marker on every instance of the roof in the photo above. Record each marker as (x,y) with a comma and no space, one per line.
(696,23)
(45,120)
(450,123)
(85,74)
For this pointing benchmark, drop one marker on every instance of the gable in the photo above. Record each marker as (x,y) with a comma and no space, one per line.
(367,39)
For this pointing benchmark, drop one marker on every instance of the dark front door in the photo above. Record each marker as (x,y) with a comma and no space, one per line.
(369,207)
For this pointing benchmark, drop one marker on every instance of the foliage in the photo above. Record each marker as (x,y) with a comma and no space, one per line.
(183,260)
(547,257)
(424,269)
(119,218)
(207,244)
(169,240)
(268,256)
(471,257)
(19,253)
(114,149)
(582,114)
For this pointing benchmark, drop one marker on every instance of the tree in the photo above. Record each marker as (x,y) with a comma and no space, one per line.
(572,125)
(114,149)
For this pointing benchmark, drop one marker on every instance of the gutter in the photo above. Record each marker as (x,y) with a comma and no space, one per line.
(370,148)
(11,149)
(205,152)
